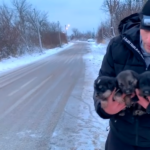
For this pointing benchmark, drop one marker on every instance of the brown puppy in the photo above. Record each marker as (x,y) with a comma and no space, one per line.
(103,87)
(127,83)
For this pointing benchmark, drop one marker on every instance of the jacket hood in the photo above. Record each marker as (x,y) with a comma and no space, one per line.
(129,23)
(129,29)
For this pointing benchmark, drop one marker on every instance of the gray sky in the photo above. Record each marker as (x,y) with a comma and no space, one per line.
(82,14)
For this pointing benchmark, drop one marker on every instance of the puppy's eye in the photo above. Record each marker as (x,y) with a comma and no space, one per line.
(100,87)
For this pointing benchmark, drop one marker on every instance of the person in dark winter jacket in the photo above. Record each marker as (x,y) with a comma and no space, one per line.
(128,51)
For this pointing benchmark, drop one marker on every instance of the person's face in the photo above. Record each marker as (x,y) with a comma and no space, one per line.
(145,35)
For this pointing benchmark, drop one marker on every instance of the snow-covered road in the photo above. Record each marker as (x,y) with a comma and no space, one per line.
(83,130)
(79,127)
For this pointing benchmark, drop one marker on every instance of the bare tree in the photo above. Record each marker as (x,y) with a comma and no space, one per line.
(8,33)
(38,24)
(118,10)
(54,27)
(75,32)
(112,7)
(22,30)
(21,11)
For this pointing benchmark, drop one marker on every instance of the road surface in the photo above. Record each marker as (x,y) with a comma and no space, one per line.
(33,98)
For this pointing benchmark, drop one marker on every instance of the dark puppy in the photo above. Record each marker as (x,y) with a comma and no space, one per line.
(144,89)
(103,87)
(144,84)
(127,83)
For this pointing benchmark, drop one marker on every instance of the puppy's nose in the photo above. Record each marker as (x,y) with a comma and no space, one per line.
(127,92)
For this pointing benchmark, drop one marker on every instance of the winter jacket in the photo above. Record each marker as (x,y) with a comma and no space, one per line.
(124,53)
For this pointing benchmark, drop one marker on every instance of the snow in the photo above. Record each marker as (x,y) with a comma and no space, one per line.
(90,130)
(14,62)
(95,131)
(28,133)
(80,128)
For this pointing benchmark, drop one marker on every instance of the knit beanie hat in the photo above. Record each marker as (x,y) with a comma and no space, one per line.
(145,16)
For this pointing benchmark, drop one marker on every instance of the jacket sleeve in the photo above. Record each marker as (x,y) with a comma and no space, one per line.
(107,69)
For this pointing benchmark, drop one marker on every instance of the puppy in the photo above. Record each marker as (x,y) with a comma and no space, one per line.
(144,89)
(126,84)
(144,84)
(103,87)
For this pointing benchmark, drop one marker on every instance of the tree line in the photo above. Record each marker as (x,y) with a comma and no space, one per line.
(117,10)
(76,34)
(24,29)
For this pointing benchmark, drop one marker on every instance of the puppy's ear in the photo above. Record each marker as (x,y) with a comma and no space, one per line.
(96,81)
(135,75)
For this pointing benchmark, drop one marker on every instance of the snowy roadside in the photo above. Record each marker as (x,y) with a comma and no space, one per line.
(88,131)
(13,63)
(94,133)
(80,128)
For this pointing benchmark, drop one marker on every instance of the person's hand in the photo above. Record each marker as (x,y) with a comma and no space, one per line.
(142,101)
(113,107)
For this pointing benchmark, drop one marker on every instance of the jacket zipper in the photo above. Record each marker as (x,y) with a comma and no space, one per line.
(136,130)
(133,49)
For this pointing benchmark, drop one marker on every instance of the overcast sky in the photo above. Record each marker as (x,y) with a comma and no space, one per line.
(82,14)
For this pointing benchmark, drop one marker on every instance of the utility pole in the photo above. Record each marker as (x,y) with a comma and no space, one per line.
(38,30)
(59,34)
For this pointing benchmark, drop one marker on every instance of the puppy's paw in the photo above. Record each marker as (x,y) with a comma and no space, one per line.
(104,104)
(135,112)
(139,112)
(118,99)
